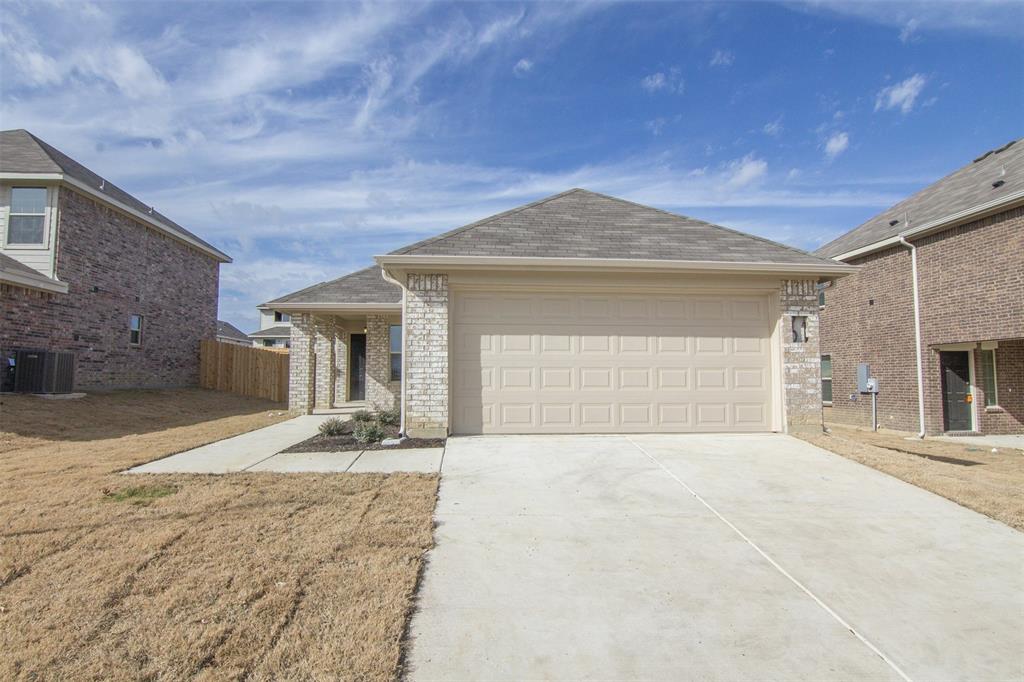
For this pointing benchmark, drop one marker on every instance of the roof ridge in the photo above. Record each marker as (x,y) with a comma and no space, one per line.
(714,225)
(482,221)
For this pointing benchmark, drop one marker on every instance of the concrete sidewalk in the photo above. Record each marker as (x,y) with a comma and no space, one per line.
(260,450)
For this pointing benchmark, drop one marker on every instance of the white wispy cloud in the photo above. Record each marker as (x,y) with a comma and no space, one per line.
(670,81)
(522,67)
(773,128)
(902,95)
(986,17)
(836,144)
(747,170)
(722,58)
(909,30)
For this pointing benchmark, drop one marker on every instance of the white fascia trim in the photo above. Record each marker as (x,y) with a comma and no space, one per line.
(935,225)
(52,286)
(144,218)
(340,307)
(50,177)
(517,262)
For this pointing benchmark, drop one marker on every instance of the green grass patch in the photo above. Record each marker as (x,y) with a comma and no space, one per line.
(140,494)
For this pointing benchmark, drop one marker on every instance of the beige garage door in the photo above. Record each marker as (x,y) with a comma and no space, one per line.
(609,363)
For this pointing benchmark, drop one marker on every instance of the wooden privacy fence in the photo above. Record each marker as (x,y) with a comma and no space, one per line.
(244,370)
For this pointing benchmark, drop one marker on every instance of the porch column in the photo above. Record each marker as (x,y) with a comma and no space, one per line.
(801,361)
(326,330)
(378,363)
(301,365)
(341,365)
(426,355)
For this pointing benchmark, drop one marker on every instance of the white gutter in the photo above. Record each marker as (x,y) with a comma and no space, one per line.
(401,398)
(934,225)
(517,262)
(917,334)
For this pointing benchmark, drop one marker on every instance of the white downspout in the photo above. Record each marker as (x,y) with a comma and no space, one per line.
(917,335)
(401,389)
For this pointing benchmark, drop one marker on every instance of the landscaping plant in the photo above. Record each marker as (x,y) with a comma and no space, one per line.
(362,416)
(332,427)
(389,417)
(369,432)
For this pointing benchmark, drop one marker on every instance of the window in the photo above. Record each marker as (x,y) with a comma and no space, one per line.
(27,221)
(799,328)
(826,379)
(268,343)
(282,317)
(396,352)
(135,330)
(821,296)
(987,360)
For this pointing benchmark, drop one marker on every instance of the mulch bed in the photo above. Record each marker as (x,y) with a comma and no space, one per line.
(347,442)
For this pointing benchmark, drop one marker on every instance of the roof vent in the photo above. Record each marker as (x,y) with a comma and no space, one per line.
(893,222)
(103,183)
(150,210)
(990,152)
(998,183)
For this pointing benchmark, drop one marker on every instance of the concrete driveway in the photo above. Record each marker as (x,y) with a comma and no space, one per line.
(707,557)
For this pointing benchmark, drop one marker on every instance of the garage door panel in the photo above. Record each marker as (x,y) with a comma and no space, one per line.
(609,363)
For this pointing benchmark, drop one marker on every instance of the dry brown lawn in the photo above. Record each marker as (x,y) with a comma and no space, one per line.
(987,482)
(257,576)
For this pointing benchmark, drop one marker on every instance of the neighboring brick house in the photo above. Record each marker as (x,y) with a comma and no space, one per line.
(579,313)
(88,269)
(967,230)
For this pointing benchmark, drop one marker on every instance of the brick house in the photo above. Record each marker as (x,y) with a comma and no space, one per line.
(966,232)
(88,269)
(579,313)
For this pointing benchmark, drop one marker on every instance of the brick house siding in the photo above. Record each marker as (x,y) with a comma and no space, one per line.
(426,359)
(116,267)
(971,281)
(801,369)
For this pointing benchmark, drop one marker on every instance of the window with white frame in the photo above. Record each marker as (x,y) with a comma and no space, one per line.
(987,363)
(395,333)
(282,317)
(26,222)
(135,330)
(826,379)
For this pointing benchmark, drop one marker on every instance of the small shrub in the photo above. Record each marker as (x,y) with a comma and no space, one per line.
(389,417)
(141,495)
(362,416)
(332,427)
(369,432)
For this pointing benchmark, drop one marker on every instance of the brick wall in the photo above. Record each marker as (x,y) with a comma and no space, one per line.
(301,367)
(801,368)
(325,333)
(116,267)
(381,392)
(426,355)
(971,283)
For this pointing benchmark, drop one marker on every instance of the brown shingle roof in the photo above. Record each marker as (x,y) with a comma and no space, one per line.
(23,152)
(584,224)
(961,190)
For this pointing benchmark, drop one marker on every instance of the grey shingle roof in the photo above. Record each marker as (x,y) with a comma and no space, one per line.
(584,224)
(230,331)
(362,286)
(14,267)
(962,189)
(23,152)
(272,332)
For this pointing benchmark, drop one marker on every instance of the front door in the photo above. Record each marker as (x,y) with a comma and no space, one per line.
(357,367)
(956,385)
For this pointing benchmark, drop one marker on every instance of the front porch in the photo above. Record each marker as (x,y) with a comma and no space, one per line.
(979,386)
(344,362)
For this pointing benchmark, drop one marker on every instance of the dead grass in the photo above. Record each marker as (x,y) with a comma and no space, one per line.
(258,576)
(987,482)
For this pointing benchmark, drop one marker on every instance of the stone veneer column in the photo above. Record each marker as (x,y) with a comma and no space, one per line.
(301,365)
(426,356)
(341,365)
(801,362)
(326,331)
(378,363)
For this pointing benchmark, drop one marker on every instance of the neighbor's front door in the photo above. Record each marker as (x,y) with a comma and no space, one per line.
(956,385)
(357,367)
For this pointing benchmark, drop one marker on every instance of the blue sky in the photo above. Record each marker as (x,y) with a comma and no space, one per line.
(305,138)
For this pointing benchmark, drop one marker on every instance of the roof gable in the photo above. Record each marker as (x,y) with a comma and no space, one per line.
(584,224)
(362,286)
(968,187)
(23,152)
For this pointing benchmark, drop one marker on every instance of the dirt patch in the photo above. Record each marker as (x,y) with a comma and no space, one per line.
(262,576)
(991,483)
(346,442)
